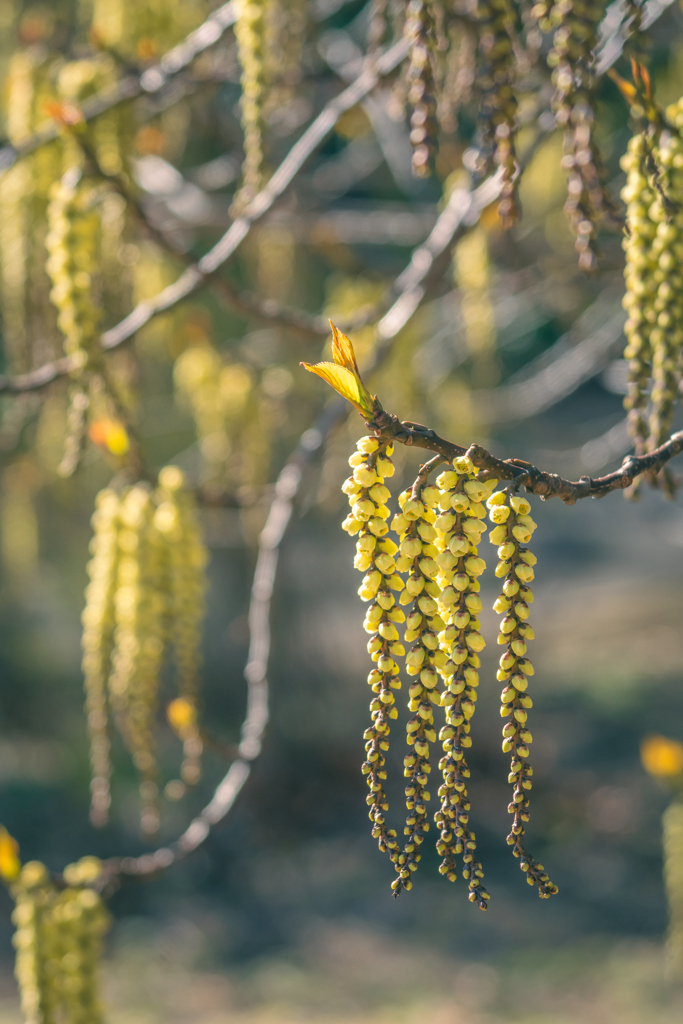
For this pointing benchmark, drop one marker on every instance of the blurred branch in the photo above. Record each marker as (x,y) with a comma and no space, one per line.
(264,309)
(560,369)
(150,81)
(197,275)
(200,274)
(614,31)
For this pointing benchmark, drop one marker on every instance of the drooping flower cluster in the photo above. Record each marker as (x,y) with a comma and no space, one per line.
(654,285)
(419,30)
(496,21)
(375,553)
(251,34)
(58,939)
(572,55)
(415,526)
(513,527)
(459,528)
(145,599)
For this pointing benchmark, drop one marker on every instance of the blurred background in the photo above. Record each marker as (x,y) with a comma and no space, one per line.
(285,914)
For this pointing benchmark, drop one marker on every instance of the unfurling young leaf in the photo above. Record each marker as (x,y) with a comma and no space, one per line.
(343,374)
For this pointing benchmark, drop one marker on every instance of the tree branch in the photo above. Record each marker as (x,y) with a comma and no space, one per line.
(199,274)
(150,81)
(523,474)
(196,276)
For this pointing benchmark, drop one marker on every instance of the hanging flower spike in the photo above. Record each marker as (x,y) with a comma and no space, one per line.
(343,374)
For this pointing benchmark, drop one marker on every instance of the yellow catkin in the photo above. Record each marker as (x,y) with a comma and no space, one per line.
(98,643)
(58,941)
(251,33)
(654,285)
(415,526)
(375,553)
(571,57)
(496,25)
(672,825)
(419,31)
(186,561)
(513,527)
(638,297)
(140,608)
(459,528)
(72,244)
(144,605)
(22,211)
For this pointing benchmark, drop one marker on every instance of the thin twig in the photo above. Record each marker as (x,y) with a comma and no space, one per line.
(264,309)
(199,274)
(150,81)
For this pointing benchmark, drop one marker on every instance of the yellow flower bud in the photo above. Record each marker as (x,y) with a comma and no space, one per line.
(365,476)
(499,514)
(520,505)
(460,502)
(498,534)
(474,490)
(446,480)
(499,498)
(475,566)
(475,641)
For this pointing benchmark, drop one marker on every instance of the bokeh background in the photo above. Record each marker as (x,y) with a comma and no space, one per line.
(285,914)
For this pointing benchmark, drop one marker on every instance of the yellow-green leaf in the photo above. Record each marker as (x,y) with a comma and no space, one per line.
(341,379)
(342,351)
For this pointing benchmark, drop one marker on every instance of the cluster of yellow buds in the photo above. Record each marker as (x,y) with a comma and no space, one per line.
(58,939)
(72,245)
(145,598)
(654,285)
(251,34)
(496,20)
(375,553)
(574,42)
(419,31)
(459,527)
(414,525)
(640,288)
(513,527)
